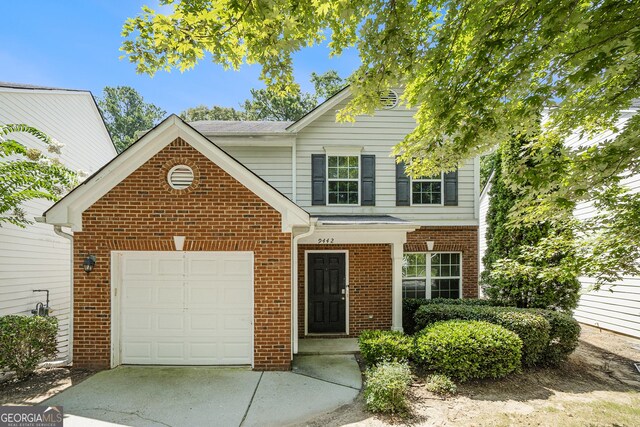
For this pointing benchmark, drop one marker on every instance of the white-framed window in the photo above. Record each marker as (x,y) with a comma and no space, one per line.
(432,275)
(427,190)
(343,180)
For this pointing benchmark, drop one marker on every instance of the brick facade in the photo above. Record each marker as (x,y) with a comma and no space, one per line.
(216,213)
(370,280)
(455,239)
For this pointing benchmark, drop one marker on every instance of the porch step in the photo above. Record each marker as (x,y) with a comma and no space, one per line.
(315,346)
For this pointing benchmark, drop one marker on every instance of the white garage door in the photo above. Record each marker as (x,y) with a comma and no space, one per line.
(186,308)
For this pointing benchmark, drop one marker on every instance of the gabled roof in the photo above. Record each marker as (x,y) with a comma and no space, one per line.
(11,85)
(68,211)
(233,128)
(327,105)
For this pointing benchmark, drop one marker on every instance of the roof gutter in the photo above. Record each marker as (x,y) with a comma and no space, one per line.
(58,230)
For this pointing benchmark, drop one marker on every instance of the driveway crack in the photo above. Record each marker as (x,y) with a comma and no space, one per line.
(252,396)
(326,381)
(135,413)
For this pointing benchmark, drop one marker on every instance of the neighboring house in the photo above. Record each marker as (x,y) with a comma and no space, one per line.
(482,226)
(35,257)
(227,242)
(614,307)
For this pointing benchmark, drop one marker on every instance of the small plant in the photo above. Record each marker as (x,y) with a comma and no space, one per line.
(440,384)
(376,346)
(468,349)
(25,342)
(386,387)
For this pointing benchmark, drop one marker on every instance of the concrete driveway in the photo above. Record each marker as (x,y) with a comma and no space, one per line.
(211,396)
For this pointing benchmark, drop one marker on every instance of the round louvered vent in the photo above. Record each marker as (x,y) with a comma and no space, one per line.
(180,177)
(389,100)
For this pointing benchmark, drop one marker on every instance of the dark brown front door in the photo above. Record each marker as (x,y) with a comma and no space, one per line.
(326,293)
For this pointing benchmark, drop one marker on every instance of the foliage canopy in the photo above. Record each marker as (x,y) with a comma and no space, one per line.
(478,72)
(27,173)
(268,104)
(125,114)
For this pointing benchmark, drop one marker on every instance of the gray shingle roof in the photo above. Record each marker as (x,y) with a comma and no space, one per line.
(222,127)
(359,219)
(36,87)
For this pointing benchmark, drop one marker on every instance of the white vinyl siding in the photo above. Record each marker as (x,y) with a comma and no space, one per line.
(35,257)
(377,135)
(617,307)
(273,164)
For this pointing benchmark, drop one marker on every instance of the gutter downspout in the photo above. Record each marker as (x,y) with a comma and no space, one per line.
(58,230)
(294,283)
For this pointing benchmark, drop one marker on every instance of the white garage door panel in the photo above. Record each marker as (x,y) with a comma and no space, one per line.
(186,308)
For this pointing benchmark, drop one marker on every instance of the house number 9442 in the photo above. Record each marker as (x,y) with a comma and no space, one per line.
(327,240)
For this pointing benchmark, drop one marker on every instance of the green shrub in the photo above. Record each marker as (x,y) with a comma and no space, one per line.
(563,337)
(440,384)
(376,346)
(468,349)
(532,328)
(411,305)
(386,387)
(25,342)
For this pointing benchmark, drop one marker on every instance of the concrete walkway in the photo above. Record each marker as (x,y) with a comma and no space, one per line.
(211,396)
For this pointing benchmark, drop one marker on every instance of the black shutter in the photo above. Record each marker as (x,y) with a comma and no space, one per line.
(368,179)
(403,186)
(318,179)
(451,188)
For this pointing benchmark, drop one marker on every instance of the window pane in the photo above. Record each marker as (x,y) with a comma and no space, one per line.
(413,289)
(426,193)
(445,288)
(332,173)
(333,161)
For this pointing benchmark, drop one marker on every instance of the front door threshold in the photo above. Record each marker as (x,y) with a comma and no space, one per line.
(320,345)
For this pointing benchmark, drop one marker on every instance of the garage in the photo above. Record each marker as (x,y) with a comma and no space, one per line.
(184,308)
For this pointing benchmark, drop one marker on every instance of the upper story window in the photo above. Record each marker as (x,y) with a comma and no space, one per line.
(431,275)
(426,190)
(343,179)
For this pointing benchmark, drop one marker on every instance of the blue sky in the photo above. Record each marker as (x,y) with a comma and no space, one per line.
(75,44)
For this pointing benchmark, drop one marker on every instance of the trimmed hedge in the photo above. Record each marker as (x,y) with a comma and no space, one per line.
(25,342)
(411,305)
(376,346)
(532,328)
(468,349)
(563,337)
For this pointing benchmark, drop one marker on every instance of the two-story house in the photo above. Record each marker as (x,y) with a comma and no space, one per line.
(228,242)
